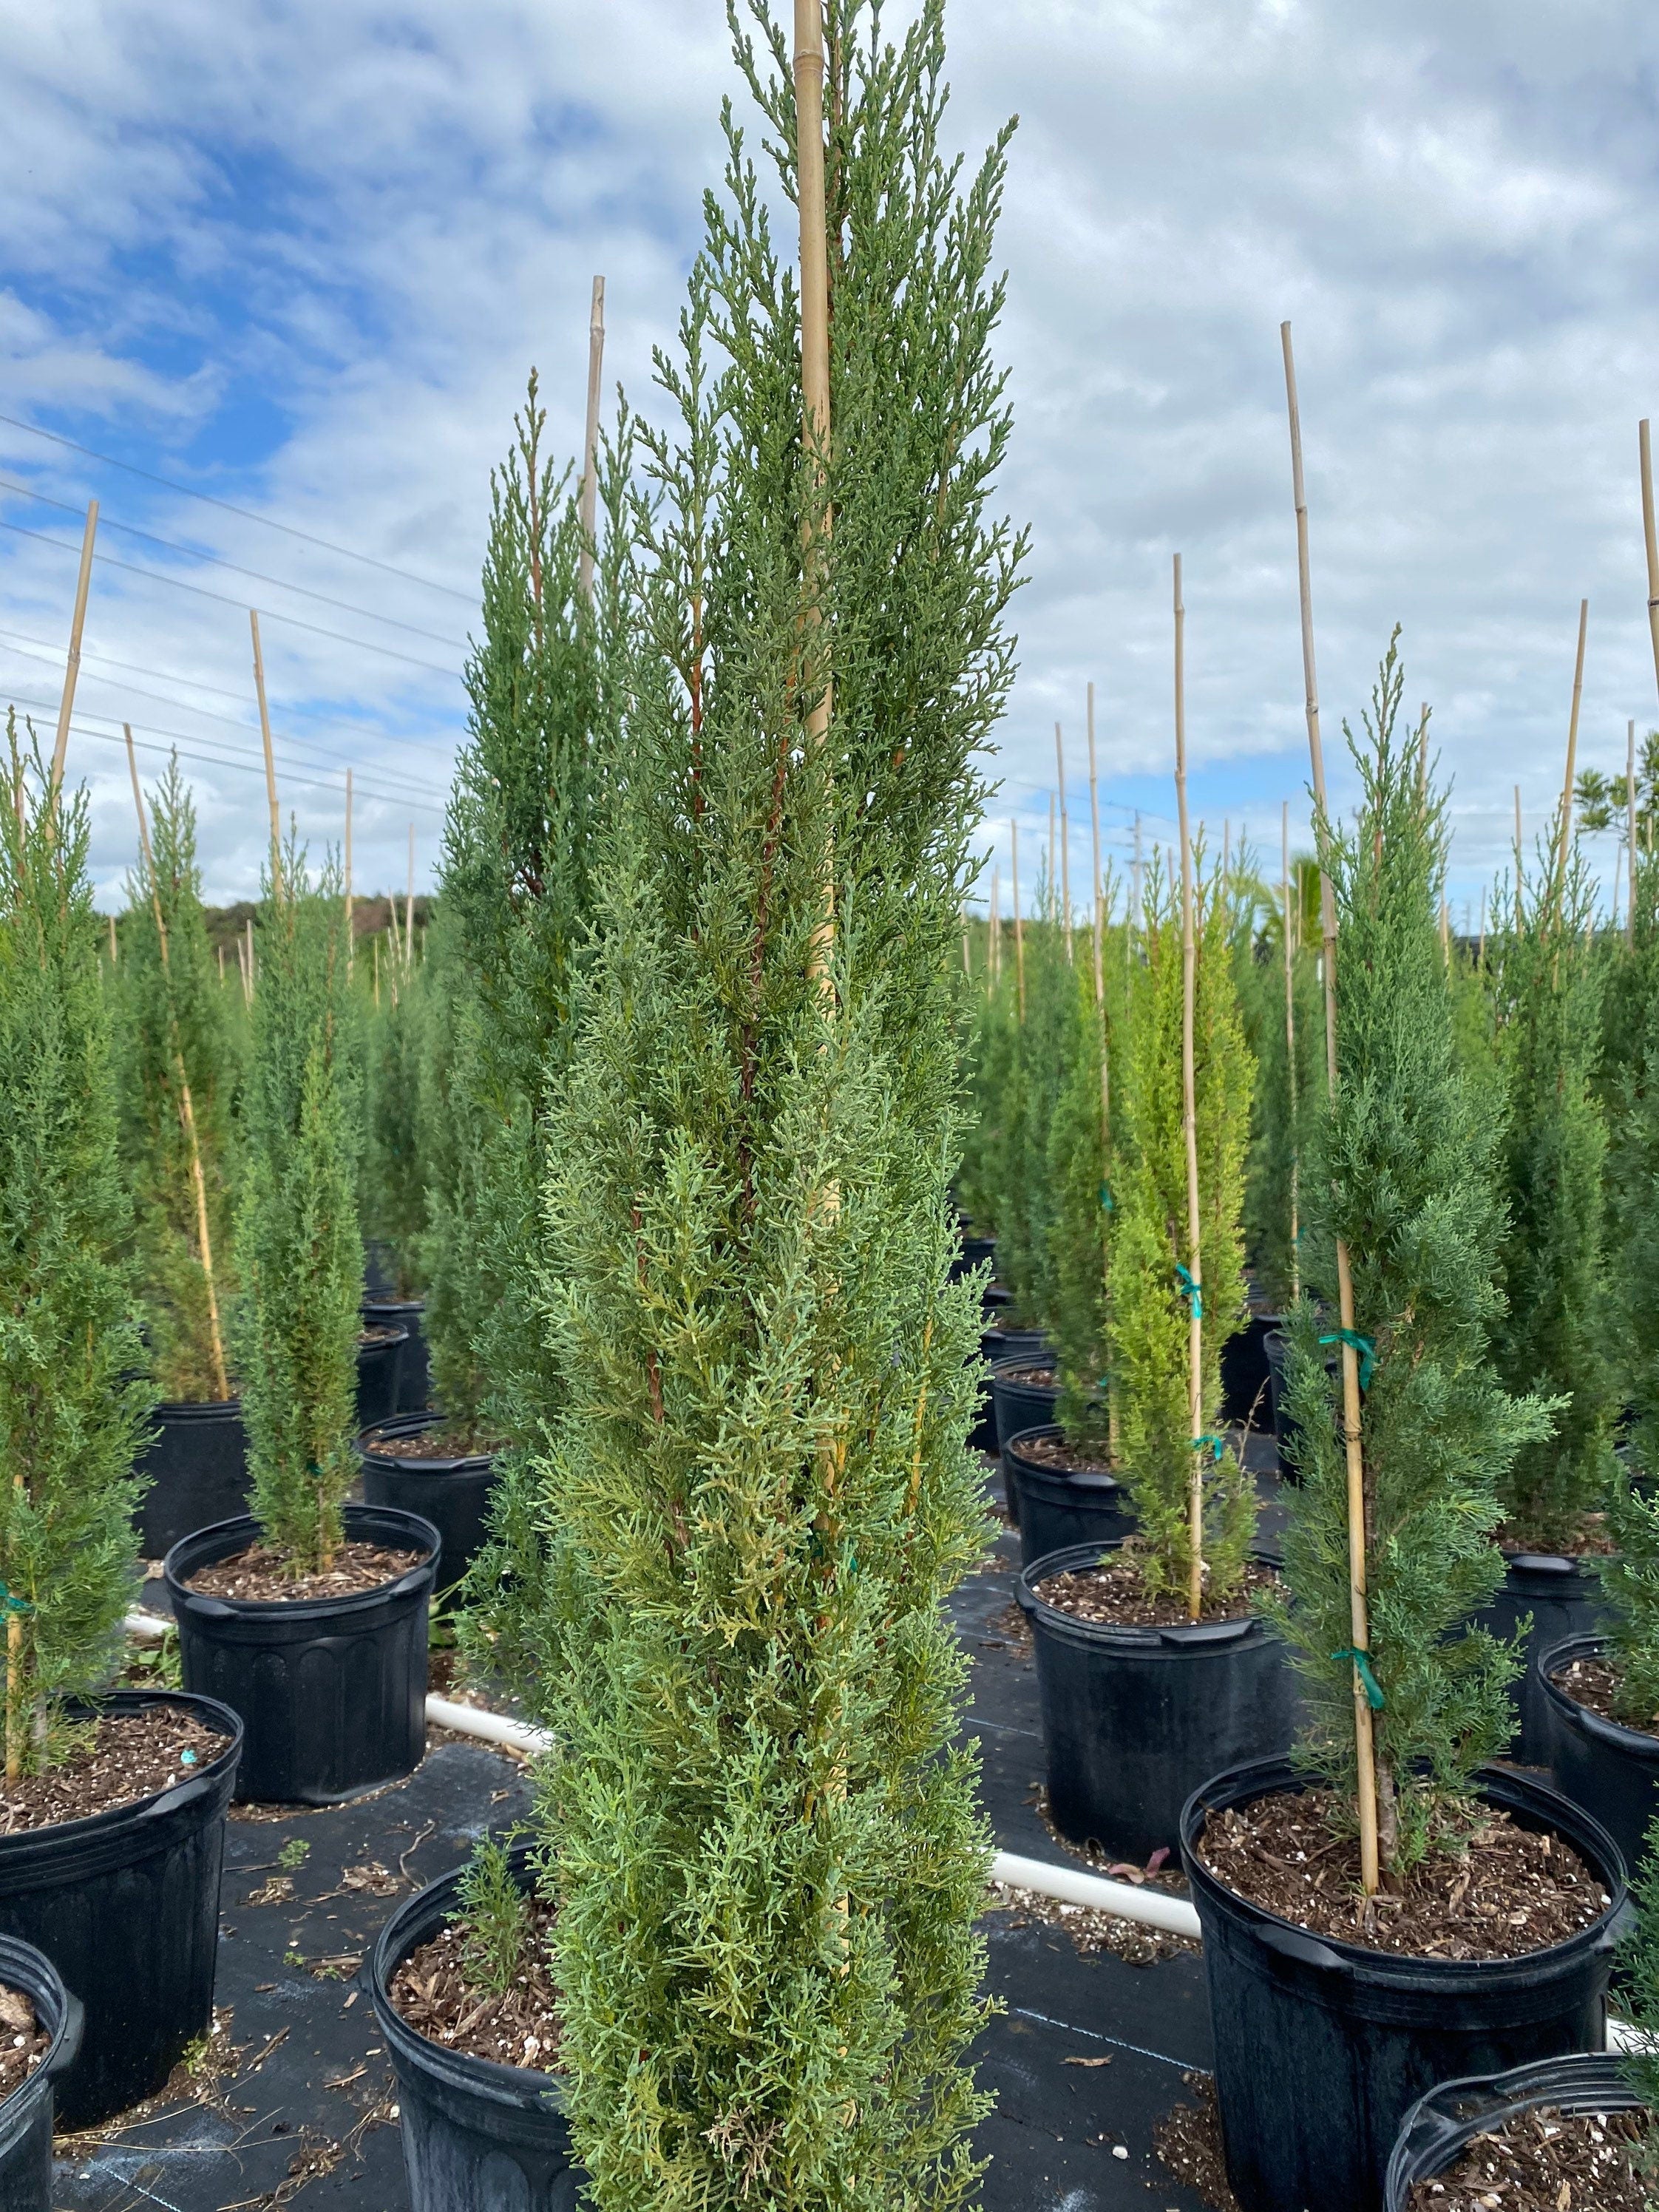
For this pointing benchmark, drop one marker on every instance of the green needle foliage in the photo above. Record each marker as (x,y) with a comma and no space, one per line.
(495,1913)
(302,1255)
(1631,1086)
(394,1167)
(71,1416)
(1026,1063)
(762,1831)
(175,1029)
(1287,1100)
(1084,1142)
(1150,1309)
(1408,1171)
(1554,1336)
(1630,1581)
(1638,1961)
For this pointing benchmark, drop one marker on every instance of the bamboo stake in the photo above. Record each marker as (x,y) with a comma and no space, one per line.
(271,765)
(1189,1130)
(1049,855)
(114,951)
(1565,838)
(349,939)
(377,972)
(72,665)
(993,959)
(222,965)
(1064,846)
(1289,1052)
(186,1111)
(1100,1009)
(1482,957)
(408,910)
(251,977)
(966,963)
(1358,1608)
(1650,540)
(590,492)
(815,389)
(1518,860)
(1135,871)
(1630,824)
(1019,932)
(1445,935)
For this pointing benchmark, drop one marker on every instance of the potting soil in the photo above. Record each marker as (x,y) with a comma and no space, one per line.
(1545,2161)
(115,1760)
(1115,1597)
(261,1576)
(435,1992)
(1594,1684)
(23,2042)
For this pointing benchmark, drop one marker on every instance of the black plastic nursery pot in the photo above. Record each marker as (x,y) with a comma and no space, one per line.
(1564,1596)
(1245,1384)
(1134,1719)
(414,1377)
(196,1469)
(1440,2126)
(452,1494)
(1017,1404)
(26,2116)
(126,1905)
(379,1366)
(331,1691)
(1061,1506)
(1612,1771)
(477,2136)
(1323,2046)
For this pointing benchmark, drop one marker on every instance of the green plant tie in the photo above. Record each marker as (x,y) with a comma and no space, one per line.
(1107,1200)
(1364,1345)
(1374,1696)
(1189,1289)
(10,1603)
(1214,1445)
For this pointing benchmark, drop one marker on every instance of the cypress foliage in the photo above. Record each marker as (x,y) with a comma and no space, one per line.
(1554,1335)
(174,1020)
(1150,1312)
(1082,1164)
(1407,1170)
(70,1416)
(394,1168)
(1631,1083)
(1630,1581)
(763,1840)
(1037,1052)
(1283,1112)
(297,1235)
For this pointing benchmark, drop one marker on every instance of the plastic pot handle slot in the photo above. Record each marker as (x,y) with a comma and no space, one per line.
(1209,1631)
(1083,1481)
(69,2043)
(180,1795)
(1544,1563)
(1433,2137)
(211,1608)
(1303,1950)
(413,1580)
(1621,1927)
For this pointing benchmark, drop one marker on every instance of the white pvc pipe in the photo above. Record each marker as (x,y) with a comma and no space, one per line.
(489,1728)
(1149,1908)
(146,1628)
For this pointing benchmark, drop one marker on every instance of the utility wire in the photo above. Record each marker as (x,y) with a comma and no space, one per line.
(217,561)
(247,513)
(178,583)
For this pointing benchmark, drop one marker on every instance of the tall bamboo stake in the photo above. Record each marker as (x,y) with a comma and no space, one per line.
(1565,838)
(1100,1010)
(271,765)
(72,665)
(1518,857)
(590,493)
(1650,540)
(408,910)
(1630,824)
(1065,845)
(1189,1130)
(222,966)
(1290,1051)
(1359,1609)
(1482,955)
(1049,857)
(250,978)
(994,950)
(349,939)
(966,963)
(114,950)
(1019,932)
(815,391)
(377,972)
(186,1111)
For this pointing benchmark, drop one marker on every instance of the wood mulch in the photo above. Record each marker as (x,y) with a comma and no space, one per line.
(1114,1595)
(1034,1378)
(432,1991)
(23,2042)
(1596,1684)
(1091,1930)
(115,1760)
(445,1443)
(1545,2161)
(1187,2140)
(1503,1892)
(260,1575)
(1589,1541)
(381,1332)
(1067,1458)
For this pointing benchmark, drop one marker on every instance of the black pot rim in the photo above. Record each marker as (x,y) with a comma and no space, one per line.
(209,1711)
(518,2087)
(1523,2088)
(1194,1638)
(1097,1480)
(1262,1778)
(197,1409)
(392,1306)
(1568,1565)
(224,1537)
(1000,1371)
(414,1425)
(399,1335)
(25,1967)
(1636,1743)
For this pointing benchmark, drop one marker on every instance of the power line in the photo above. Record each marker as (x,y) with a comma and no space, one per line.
(160,577)
(248,513)
(207,714)
(217,561)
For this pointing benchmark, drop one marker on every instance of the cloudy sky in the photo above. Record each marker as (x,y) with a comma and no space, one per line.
(299,257)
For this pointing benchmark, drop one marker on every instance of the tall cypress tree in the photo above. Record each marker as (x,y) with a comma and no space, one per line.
(296,1225)
(765,1847)
(1406,1171)
(176,1035)
(1083,1143)
(71,1414)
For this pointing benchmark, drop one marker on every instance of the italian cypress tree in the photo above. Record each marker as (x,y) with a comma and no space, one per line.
(297,1232)
(1151,1260)
(178,1087)
(394,1206)
(1407,1170)
(763,1841)
(1290,1087)
(1040,1048)
(70,1414)
(1553,1335)
(1631,1086)
(1084,1142)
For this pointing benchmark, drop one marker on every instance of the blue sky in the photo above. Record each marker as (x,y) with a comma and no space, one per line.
(300,256)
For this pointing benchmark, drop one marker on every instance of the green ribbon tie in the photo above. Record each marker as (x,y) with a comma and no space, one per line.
(1214,1445)
(8,1603)
(1364,1345)
(1108,1202)
(1189,1289)
(1374,1696)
